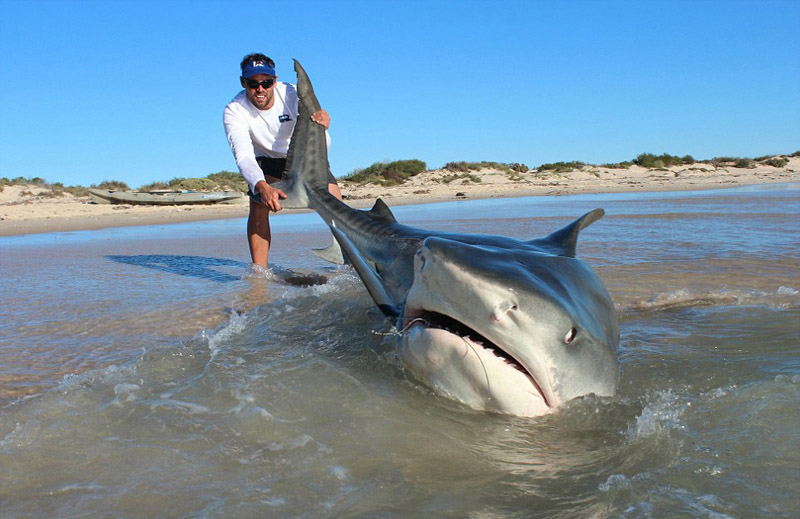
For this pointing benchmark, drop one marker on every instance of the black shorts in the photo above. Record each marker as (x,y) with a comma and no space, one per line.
(274,168)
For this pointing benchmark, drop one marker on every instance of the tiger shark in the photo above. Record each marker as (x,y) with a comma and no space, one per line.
(499,324)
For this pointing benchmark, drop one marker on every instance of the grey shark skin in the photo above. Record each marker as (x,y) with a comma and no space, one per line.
(502,325)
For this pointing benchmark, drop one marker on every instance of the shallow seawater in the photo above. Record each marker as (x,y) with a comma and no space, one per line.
(149,372)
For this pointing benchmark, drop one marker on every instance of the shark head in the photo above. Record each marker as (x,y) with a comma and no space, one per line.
(508,326)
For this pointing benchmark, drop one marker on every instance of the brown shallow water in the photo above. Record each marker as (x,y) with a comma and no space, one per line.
(149,372)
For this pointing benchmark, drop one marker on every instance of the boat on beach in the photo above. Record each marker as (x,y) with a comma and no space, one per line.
(104,196)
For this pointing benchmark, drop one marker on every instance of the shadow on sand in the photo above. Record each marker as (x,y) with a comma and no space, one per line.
(193,266)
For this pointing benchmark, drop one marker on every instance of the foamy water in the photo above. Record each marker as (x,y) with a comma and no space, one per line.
(149,372)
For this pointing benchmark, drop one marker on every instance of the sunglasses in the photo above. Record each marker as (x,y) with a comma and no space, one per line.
(252,84)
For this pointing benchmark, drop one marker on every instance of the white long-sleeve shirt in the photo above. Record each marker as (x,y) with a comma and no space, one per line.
(261,133)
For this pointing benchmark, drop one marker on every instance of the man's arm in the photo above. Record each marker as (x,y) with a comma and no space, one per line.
(238,133)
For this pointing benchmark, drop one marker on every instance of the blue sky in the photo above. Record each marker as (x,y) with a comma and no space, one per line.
(134,91)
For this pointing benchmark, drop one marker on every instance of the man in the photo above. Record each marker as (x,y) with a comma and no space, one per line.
(258,123)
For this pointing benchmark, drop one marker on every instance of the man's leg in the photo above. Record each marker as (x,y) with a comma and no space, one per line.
(259,235)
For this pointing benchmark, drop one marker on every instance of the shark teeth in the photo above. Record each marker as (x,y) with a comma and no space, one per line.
(447,323)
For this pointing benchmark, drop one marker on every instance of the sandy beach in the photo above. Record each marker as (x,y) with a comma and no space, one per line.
(31,209)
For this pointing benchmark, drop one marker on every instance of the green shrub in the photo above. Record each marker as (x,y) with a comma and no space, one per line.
(112,185)
(560,167)
(230,180)
(745,163)
(55,192)
(618,165)
(154,186)
(77,191)
(193,184)
(665,160)
(723,161)
(460,166)
(777,163)
(388,174)
(464,167)
(465,178)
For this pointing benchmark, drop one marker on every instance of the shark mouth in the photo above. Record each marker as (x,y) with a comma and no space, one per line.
(436,320)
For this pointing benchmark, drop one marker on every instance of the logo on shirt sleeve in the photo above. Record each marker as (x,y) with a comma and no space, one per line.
(285,117)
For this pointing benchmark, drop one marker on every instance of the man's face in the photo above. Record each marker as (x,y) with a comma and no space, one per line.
(261,97)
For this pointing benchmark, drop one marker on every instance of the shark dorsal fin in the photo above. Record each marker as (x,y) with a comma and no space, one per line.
(566,238)
(380,212)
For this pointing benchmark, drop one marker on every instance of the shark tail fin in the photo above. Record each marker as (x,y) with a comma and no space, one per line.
(307,160)
(566,238)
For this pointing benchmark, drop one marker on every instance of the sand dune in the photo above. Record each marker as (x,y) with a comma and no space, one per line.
(31,209)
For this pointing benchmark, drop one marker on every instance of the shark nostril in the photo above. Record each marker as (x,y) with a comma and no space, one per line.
(502,310)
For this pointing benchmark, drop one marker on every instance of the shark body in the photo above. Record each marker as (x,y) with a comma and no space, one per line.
(499,324)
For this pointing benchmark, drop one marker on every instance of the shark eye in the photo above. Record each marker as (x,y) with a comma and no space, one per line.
(570,336)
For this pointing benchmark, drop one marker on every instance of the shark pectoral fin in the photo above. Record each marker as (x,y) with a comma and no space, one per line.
(332,253)
(368,276)
(566,238)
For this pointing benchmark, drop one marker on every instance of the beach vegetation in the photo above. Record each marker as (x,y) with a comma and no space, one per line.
(154,186)
(56,189)
(505,167)
(465,178)
(229,181)
(722,161)
(618,165)
(736,162)
(112,185)
(193,184)
(23,181)
(77,191)
(387,173)
(53,192)
(776,162)
(560,167)
(665,160)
